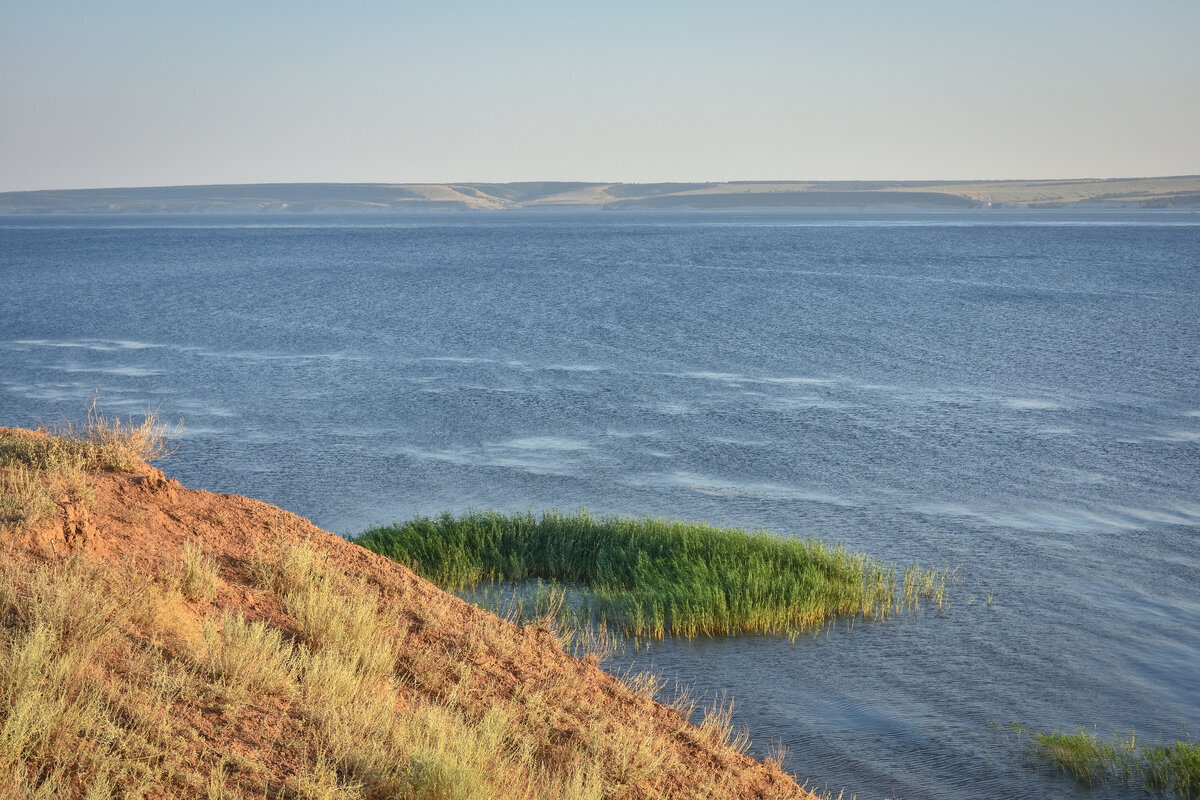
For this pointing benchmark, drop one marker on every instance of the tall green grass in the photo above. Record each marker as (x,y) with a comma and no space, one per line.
(653,578)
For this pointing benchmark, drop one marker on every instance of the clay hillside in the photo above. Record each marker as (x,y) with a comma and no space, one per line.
(164,642)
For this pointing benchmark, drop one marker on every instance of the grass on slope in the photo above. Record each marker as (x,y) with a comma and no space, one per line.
(102,676)
(39,469)
(128,680)
(656,578)
(102,444)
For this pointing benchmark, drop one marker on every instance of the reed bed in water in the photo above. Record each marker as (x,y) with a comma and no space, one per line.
(1170,769)
(655,577)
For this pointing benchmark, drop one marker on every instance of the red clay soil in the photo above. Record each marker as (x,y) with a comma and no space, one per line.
(144,519)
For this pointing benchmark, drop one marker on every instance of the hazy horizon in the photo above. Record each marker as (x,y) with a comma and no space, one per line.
(138,94)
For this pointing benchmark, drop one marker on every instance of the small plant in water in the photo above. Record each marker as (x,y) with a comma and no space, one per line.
(1172,768)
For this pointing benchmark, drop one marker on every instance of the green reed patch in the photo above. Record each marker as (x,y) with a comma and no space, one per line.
(1170,768)
(655,577)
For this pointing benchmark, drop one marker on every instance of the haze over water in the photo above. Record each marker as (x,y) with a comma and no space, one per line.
(1017,393)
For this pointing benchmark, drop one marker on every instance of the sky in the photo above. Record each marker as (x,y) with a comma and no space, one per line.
(151,93)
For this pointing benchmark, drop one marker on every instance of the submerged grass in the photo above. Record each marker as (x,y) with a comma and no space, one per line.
(1170,768)
(652,578)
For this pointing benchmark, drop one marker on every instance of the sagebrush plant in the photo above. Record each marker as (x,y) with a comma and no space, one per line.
(345,620)
(319,780)
(285,567)
(101,443)
(35,476)
(195,574)
(25,497)
(248,655)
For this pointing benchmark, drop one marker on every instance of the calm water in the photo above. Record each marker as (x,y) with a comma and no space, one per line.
(1014,392)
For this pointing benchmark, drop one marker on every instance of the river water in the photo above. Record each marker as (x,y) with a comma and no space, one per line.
(1013,392)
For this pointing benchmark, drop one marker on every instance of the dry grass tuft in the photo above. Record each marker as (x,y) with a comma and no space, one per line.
(194,574)
(250,656)
(39,470)
(102,444)
(110,443)
(718,726)
(25,497)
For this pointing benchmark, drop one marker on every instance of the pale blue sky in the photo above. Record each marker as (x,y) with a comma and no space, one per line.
(137,93)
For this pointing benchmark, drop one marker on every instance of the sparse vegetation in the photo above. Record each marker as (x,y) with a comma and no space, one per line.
(103,443)
(1172,768)
(654,578)
(40,469)
(352,675)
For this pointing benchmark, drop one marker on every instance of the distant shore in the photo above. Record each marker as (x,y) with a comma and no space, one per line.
(341,198)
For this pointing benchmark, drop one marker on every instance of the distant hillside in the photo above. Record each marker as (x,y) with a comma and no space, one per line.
(338,198)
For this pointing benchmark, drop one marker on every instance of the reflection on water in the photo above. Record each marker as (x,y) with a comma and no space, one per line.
(1016,394)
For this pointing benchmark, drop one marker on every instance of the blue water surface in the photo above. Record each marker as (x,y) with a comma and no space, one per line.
(1015,392)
